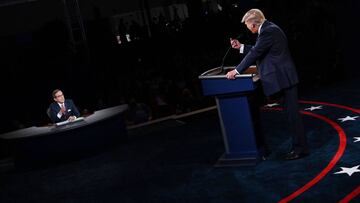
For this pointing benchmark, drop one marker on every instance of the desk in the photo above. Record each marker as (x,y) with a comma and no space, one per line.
(99,130)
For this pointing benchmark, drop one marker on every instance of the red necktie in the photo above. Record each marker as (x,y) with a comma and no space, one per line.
(63,109)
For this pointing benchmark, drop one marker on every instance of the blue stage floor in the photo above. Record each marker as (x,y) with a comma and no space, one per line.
(172,161)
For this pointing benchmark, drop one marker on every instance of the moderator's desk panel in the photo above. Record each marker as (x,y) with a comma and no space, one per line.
(97,132)
(97,116)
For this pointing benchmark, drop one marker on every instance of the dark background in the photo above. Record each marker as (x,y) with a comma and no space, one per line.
(37,55)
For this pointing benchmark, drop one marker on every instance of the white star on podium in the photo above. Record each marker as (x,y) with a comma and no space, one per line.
(272,105)
(349,171)
(348,118)
(357,139)
(312,108)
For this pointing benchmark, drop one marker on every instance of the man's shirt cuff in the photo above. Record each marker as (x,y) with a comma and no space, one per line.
(242,48)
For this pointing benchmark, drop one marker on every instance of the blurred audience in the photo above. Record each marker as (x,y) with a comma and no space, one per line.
(142,66)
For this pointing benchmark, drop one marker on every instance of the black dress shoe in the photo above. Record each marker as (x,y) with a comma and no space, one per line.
(292,155)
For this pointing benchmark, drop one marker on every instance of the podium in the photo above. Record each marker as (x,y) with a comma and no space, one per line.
(235,115)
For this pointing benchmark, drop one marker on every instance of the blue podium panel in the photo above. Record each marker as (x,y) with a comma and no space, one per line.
(214,82)
(238,131)
(236,121)
(218,86)
(234,114)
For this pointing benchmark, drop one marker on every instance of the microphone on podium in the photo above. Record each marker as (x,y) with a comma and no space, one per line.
(223,59)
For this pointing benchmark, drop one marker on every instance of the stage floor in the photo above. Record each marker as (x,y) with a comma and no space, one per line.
(173,161)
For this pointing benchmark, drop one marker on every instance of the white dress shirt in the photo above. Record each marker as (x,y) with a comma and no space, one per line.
(59,114)
(242,45)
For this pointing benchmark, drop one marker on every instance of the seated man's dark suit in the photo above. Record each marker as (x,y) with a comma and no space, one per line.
(70,107)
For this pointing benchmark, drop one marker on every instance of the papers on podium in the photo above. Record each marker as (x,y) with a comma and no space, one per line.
(66,122)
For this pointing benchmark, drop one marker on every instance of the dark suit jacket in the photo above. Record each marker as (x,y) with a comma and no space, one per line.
(275,65)
(71,110)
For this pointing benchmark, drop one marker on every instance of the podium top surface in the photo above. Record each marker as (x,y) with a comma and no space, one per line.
(217,73)
(214,82)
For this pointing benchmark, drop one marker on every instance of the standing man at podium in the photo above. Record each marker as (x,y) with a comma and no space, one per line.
(277,73)
(62,109)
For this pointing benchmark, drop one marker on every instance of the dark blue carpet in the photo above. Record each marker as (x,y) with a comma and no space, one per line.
(173,161)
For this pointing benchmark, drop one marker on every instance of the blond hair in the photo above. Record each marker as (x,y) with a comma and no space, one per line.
(254,16)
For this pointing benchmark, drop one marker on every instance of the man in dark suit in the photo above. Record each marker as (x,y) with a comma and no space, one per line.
(277,73)
(61,109)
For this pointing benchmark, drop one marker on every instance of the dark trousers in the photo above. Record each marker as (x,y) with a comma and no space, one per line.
(256,100)
(289,100)
(290,104)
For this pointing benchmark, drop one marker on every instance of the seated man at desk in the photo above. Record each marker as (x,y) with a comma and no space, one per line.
(62,109)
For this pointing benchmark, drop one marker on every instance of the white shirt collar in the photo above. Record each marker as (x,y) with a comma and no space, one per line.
(260,27)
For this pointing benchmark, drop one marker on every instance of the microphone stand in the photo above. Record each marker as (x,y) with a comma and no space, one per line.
(223,59)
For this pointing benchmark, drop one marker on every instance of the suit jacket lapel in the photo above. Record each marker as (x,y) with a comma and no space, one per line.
(66,103)
(57,107)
